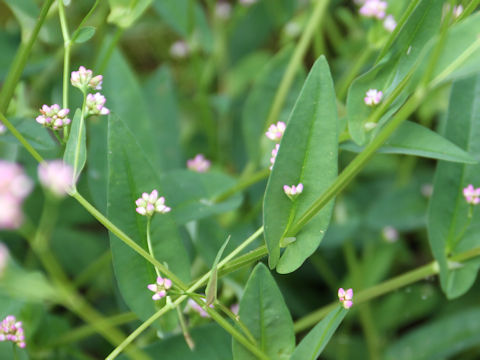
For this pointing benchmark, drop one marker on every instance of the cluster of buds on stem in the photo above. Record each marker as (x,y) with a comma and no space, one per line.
(148,204)
(199,163)
(293,191)
(274,155)
(85,81)
(275,131)
(377,9)
(160,288)
(373,97)
(345,297)
(11,330)
(53,117)
(472,195)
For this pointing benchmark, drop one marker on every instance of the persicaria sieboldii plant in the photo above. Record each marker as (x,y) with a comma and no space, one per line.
(227,166)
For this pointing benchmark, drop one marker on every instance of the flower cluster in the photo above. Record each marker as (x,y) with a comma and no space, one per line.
(275,131)
(96,104)
(191,304)
(377,9)
(14,188)
(84,79)
(293,191)
(148,204)
(160,288)
(53,117)
(199,163)
(179,50)
(11,330)
(274,155)
(472,195)
(345,297)
(373,97)
(56,177)
(3,258)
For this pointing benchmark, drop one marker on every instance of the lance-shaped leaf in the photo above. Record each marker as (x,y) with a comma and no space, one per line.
(264,313)
(441,339)
(407,49)
(260,99)
(414,139)
(211,290)
(129,174)
(450,230)
(313,344)
(307,155)
(76,149)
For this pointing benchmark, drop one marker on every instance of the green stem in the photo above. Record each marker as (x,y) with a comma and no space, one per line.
(470,8)
(84,20)
(366,319)
(87,330)
(111,47)
(20,60)
(296,60)
(413,4)
(127,240)
(236,319)
(149,243)
(20,138)
(242,185)
(345,81)
(66,59)
(357,164)
(183,326)
(169,306)
(15,353)
(246,259)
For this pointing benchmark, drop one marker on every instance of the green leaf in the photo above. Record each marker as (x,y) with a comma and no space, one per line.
(211,343)
(84,34)
(124,13)
(260,101)
(414,139)
(407,49)
(160,96)
(307,155)
(130,174)
(450,230)
(37,136)
(460,53)
(191,193)
(211,291)
(76,149)
(264,313)
(313,344)
(126,99)
(440,339)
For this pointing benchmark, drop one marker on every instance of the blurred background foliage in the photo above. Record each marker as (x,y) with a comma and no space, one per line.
(203,101)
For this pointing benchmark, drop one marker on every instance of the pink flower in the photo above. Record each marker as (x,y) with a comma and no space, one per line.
(3,129)
(53,117)
(3,258)
(274,155)
(56,176)
(148,204)
(389,23)
(293,191)
(275,131)
(223,10)
(11,330)
(390,234)
(345,297)
(457,11)
(95,104)
(374,9)
(373,97)
(14,187)
(472,195)
(179,50)
(160,288)
(191,304)
(84,80)
(199,163)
